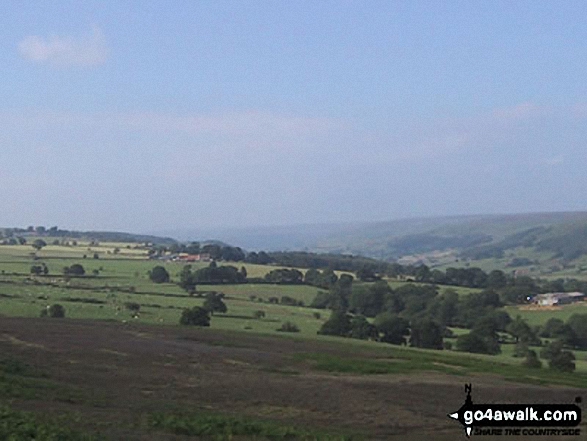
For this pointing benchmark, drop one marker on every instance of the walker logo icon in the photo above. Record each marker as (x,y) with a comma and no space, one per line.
(518,419)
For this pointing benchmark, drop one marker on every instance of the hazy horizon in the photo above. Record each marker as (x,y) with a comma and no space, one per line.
(143,117)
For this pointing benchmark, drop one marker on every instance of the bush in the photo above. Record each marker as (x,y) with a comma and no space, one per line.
(74,270)
(289,327)
(521,349)
(195,316)
(159,275)
(259,314)
(214,303)
(564,361)
(532,360)
(55,311)
(558,358)
(133,306)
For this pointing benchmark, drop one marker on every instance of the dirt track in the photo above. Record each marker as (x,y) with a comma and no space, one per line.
(122,372)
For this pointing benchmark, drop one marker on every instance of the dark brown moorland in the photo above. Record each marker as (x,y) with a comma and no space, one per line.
(112,375)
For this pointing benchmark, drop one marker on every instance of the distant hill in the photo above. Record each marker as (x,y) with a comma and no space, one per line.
(554,235)
(104,236)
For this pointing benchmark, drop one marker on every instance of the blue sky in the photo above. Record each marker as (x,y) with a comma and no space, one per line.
(152,115)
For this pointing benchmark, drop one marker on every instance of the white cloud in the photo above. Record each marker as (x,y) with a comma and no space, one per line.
(58,51)
(518,112)
(554,160)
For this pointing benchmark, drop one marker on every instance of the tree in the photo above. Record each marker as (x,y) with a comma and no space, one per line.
(339,323)
(444,308)
(367,274)
(521,331)
(496,279)
(214,303)
(578,323)
(558,358)
(564,361)
(196,316)
(187,279)
(532,360)
(362,329)
(38,244)
(393,329)
(476,343)
(37,270)
(340,293)
(369,300)
(426,333)
(159,275)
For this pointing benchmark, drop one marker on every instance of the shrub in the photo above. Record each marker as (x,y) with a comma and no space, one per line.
(55,311)
(74,270)
(532,360)
(214,303)
(195,316)
(564,361)
(289,327)
(159,275)
(521,349)
(259,314)
(133,306)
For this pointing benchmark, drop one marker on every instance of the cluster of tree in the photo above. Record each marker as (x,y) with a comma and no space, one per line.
(512,290)
(571,334)
(210,275)
(196,316)
(322,279)
(339,262)
(216,250)
(18,240)
(284,276)
(74,270)
(200,315)
(418,311)
(387,327)
(38,270)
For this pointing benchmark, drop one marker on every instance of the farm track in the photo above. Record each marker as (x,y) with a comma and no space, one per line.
(119,373)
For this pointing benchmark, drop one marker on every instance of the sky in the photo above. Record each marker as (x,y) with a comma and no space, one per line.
(148,115)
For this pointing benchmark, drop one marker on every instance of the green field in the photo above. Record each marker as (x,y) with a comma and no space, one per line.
(123,278)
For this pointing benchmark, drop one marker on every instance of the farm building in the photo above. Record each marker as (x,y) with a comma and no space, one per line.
(558,298)
(193,257)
